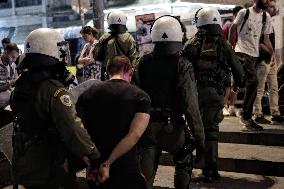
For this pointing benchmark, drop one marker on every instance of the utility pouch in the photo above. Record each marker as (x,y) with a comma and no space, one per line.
(31,161)
(172,137)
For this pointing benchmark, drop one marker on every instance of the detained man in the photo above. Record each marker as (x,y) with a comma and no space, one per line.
(116,114)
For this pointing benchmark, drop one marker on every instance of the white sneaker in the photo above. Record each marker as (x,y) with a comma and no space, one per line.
(226,112)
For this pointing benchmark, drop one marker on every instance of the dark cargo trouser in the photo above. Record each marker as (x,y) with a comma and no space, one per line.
(249,64)
(210,106)
(211,117)
(150,152)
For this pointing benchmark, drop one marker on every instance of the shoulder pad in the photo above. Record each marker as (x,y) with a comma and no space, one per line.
(59,87)
(193,42)
(55,83)
(192,45)
(104,36)
(126,37)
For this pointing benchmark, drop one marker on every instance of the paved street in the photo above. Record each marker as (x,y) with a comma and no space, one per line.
(229,180)
(237,152)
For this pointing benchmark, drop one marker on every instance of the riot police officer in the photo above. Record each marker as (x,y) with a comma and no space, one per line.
(116,42)
(213,61)
(49,140)
(169,81)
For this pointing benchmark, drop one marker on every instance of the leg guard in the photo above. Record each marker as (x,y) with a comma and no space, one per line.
(183,170)
(149,161)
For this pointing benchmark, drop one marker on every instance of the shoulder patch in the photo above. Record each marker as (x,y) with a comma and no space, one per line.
(58,91)
(66,100)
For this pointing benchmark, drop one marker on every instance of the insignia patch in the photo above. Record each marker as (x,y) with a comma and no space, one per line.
(164,36)
(66,100)
(215,19)
(119,20)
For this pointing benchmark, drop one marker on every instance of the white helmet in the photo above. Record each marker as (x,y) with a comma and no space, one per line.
(167,28)
(208,15)
(48,42)
(117,17)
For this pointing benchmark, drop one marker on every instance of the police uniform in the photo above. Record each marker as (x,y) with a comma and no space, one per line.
(49,139)
(213,60)
(121,44)
(117,42)
(169,81)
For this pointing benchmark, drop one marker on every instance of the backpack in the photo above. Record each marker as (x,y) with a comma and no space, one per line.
(100,49)
(263,55)
(213,64)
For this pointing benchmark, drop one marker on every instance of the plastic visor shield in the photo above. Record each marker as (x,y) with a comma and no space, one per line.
(64,52)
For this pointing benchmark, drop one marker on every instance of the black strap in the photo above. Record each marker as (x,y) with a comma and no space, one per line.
(247,16)
(263,21)
(245,19)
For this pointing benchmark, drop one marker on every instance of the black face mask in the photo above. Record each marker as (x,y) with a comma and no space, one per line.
(262,5)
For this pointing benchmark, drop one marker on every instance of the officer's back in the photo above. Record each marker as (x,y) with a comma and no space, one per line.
(170,85)
(158,77)
(117,42)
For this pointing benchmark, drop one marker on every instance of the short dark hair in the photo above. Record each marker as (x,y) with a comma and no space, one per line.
(12,47)
(237,9)
(6,40)
(89,30)
(118,64)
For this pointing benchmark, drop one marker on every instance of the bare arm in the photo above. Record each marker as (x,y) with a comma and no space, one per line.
(80,59)
(268,44)
(137,128)
(85,60)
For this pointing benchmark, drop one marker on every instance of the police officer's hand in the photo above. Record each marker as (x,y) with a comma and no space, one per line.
(103,172)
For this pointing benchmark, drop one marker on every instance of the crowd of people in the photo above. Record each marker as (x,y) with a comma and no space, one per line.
(169,100)
(253,37)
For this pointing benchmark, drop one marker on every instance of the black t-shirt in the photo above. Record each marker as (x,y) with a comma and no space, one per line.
(107,110)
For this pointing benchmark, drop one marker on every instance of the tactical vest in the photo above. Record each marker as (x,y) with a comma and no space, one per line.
(209,58)
(158,78)
(34,147)
(23,104)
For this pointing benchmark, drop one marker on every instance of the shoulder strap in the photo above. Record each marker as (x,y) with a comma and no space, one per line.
(263,21)
(245,19)
(107,40)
